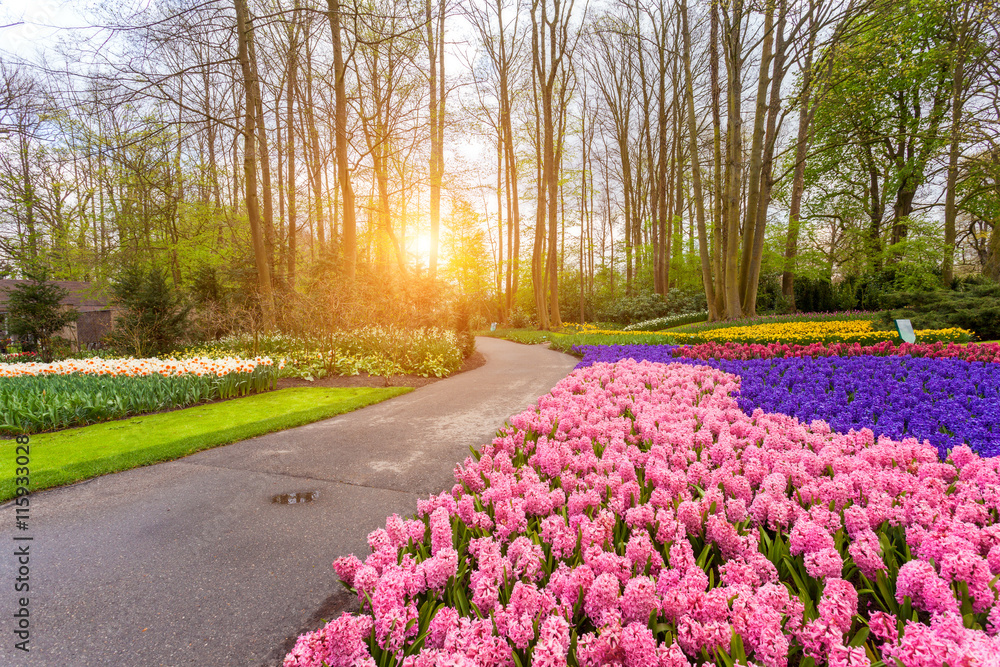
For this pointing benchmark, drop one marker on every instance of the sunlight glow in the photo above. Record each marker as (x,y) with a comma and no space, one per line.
(423,250)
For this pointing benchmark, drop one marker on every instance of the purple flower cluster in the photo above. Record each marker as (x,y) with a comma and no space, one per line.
(945,401)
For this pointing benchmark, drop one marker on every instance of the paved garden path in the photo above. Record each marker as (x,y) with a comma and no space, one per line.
(189,563)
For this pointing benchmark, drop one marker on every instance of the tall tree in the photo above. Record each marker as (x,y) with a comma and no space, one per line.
(436,82)
(251,89)
(553,43)
(349,241)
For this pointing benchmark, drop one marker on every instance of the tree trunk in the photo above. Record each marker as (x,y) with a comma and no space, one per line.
(350,241)
(756,159)
(500,264)
(264,158)
(798,186)
(293,55)
(316,160)
(435,184)
(699,201)
(798,179)
(510,169)
(765,181)
(537,270)
(954,151)
(245,35)
(734,158)
(661,161)
(718,228)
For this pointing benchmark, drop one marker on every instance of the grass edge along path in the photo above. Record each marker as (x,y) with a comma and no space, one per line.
(73,455)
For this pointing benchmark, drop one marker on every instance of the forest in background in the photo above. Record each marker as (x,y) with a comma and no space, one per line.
(303,166)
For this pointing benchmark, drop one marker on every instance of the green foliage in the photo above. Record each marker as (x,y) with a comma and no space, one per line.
(818,295)
(35,310)
(625,310)
(153,317)
(976,309)
(31,404)
(466,263)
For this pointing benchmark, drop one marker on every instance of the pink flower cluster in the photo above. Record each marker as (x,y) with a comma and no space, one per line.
(988,352)
(636,516)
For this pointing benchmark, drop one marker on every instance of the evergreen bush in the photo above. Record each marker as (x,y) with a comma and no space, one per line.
(625,310)
(977,309)
(153,317)
(35,311)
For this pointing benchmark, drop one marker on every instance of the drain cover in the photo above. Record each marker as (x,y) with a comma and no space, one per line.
(294,498)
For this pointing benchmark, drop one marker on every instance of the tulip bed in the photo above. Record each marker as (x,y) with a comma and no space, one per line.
(860,332)
(803,333)
(37,397)
(376,350)
(668,321)
(637,516)
(924,391)
(969,352)
(840,316)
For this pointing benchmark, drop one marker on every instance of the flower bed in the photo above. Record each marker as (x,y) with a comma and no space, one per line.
(38,397)
(939,397)
(843,315)
(375,350)
(859,332)
(805,333)
(969,351)
(668,321)
(638,516)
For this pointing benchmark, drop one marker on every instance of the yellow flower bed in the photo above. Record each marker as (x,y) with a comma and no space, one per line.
(792,333)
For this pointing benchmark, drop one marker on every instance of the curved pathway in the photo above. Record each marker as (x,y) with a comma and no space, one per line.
(189,563)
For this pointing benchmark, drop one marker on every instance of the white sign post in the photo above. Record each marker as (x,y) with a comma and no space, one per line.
(905,330)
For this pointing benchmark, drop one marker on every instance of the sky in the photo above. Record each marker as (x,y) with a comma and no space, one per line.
(40,23)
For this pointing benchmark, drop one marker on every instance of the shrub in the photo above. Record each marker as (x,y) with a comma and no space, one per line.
(520,318)
(153,319)
(624,310)
(35,310)
(977,309)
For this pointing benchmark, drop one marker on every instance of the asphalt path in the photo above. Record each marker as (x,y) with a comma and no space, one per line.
(190,563)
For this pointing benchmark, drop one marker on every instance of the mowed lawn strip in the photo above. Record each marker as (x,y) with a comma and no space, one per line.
(76,454)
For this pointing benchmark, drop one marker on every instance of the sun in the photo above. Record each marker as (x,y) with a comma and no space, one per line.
(423,250)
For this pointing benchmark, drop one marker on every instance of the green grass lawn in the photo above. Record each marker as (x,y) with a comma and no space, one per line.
(564,342)
(523,336)
(64,457)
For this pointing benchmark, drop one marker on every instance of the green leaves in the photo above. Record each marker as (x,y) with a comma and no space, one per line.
(44,403)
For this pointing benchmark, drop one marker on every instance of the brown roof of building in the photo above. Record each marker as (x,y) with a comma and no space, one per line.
(82,295)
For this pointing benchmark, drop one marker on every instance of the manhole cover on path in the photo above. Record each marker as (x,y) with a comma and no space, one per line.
(294,498)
